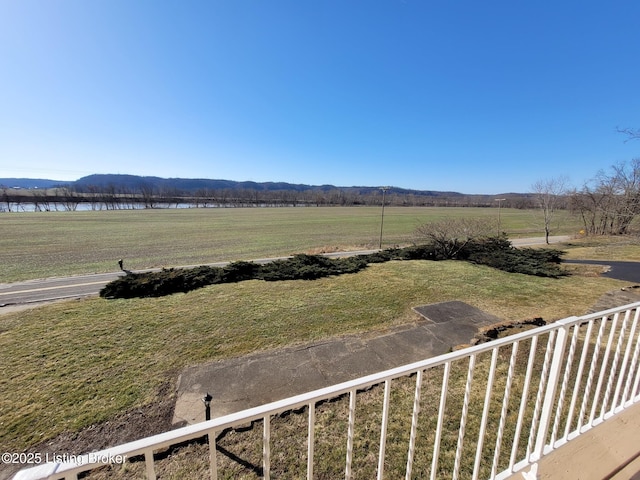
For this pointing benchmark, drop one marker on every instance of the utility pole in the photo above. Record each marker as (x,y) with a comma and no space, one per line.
(384,191)
(499,200)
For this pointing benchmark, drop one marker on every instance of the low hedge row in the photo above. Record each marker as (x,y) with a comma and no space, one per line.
(499,253)
(174,280)
(495,252)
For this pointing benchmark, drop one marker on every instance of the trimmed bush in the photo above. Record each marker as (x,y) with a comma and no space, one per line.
(495,252)
(499,253)
(240,271)
(418,252)
(382,256)
(164,282)
(310,267)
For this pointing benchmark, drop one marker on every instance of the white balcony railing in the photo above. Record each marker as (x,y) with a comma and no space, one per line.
(486,411)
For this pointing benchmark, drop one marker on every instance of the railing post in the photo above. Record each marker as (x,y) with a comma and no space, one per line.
(266,448)
(550,391)
(383,428)
(523,402)
(311,439)
(149,467)
(463,419)
(350,433)
(505,408)
(414,426)
(213,463)
(485,414)
(441,408)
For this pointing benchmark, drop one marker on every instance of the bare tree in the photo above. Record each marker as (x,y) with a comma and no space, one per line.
(450,235)
(611,202)
(630,133)
(204,197)
(41,202)
(549,195)
(94,197)
(69,198)
(586,203)
(110,197)
(625,183)
(148,192)
(5,197)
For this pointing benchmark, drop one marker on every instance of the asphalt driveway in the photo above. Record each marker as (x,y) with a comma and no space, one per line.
(627,271)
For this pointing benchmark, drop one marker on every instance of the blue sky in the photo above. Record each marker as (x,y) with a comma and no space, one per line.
(468,96)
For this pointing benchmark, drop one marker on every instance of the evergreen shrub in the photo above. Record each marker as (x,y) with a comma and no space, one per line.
(495,252)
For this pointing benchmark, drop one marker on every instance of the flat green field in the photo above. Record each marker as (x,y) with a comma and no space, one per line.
(54,244)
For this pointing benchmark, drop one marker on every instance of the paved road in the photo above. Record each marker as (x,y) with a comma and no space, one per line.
(50,289)
(627,271)
(529,242)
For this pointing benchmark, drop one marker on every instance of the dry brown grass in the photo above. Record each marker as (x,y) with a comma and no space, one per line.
(621,247)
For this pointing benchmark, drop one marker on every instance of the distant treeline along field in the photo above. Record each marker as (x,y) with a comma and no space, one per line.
(118,192)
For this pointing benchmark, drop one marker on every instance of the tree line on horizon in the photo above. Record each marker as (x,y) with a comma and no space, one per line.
(608,204)
(115,192)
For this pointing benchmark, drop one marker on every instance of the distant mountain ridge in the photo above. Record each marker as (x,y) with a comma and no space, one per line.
(30,183)
(191,185)
(119,191)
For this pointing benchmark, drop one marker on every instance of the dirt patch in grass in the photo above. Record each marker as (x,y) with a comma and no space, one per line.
(585,270)
(506,329)
(337,248)
(131,425)
(128,426)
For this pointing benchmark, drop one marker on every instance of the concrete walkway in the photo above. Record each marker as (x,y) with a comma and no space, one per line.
(240,383)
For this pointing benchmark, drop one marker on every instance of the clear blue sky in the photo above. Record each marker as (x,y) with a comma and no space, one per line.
(468,96)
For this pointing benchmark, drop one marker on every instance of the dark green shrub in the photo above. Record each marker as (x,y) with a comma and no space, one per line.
(381,256)
(153,284)
(352,264)
(418,252)
(240,271)
(199,277)
(164,282)
(123,287)
(499,253)
(310,267)
(495,252)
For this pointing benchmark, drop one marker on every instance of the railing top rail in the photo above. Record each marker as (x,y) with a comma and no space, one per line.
(172,437)
(602,313)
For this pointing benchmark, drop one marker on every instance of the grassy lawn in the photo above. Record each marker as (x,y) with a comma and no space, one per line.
(53,244)
(604,248)
(68,365)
